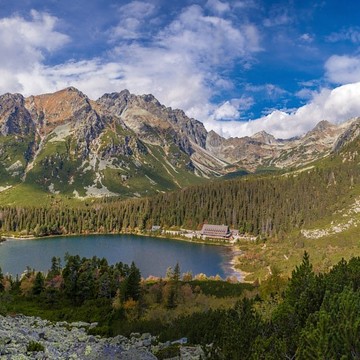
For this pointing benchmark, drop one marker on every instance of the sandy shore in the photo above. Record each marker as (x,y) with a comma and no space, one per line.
(11,238)
(240,275)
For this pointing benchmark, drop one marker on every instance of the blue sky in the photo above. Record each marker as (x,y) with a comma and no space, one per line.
(239,66)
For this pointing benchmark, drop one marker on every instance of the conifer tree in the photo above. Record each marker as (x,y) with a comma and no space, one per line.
(39,284)
(2,287)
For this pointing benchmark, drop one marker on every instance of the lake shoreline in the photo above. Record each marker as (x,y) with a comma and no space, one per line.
(235,250)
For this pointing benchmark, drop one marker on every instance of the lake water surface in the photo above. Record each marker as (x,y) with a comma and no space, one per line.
(152,255)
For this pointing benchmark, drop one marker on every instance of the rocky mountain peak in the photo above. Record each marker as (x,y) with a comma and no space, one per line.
(323,125)
(264,137)
(150,98)
(51,110)
(14,117)
(114,103)
(349,135)
(213,139)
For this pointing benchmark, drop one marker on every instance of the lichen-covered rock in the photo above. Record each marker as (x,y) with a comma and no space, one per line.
(62,341)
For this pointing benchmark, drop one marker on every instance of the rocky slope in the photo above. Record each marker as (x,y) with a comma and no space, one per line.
(129,145)
(263,150)
(64,340)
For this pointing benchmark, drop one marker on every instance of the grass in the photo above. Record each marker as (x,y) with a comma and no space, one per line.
(58,167)
(27,194)
(286,254)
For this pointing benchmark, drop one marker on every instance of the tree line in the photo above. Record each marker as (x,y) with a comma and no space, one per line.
(310,316)
(81,279)
(268,205)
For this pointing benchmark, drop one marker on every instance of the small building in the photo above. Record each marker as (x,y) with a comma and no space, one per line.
(216,231)
(155,228)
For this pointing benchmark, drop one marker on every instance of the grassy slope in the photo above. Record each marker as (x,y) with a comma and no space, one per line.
(149,170)
(287,252)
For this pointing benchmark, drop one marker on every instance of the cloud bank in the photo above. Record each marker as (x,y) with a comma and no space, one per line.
(336,106)
(184,60)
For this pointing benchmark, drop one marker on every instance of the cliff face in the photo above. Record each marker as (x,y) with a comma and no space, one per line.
(129,145)
(15,118)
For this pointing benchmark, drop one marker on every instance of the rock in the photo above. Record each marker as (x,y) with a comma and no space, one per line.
(65,341)
(137,355)
(191,353)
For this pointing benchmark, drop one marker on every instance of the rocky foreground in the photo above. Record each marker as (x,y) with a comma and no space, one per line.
(24,337)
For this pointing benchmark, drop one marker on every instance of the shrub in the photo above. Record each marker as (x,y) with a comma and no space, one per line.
(168,352)
(34,346)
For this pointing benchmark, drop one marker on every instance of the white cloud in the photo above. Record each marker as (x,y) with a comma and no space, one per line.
(336,106)
(226,111)
(181,64)
(245,4)
(270,91)
(24,42)
(137,9)
(23,46)
(133,21)
(209,40)
(343,69)
(305,93)
(218,6)
(307,38)
(350,34)
(278,17)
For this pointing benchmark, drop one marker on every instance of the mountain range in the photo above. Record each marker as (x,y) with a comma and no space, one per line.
(131,146)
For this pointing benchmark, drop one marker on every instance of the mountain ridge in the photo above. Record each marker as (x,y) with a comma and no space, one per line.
(129,145)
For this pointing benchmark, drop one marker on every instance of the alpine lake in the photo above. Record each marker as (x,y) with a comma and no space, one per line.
(153,256)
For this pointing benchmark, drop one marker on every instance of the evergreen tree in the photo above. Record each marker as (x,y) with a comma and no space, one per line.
(2,287)
(239,329)
(39,284)
(55,267)
(132,288)
(335,332)
(176,274)
(71,276)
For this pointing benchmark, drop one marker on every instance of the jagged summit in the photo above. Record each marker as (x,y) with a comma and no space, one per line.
(264,137)
(129,145)
(349,135)
(323,125)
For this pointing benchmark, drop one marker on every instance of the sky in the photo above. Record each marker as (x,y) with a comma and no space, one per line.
(239,66)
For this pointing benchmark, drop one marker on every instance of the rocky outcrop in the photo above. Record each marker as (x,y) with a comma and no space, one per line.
(63,341)
(25,337)
(349,135)
(15,119)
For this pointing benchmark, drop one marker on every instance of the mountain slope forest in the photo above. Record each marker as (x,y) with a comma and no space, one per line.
(266,205)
